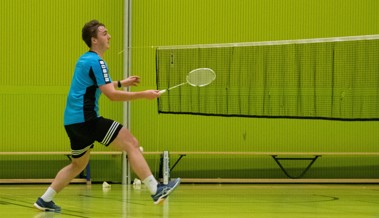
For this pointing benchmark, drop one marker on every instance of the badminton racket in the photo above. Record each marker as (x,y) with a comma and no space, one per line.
(199,77)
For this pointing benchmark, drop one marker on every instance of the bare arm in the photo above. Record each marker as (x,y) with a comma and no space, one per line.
(119,95)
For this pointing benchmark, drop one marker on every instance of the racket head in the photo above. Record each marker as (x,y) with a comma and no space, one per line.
(201,77)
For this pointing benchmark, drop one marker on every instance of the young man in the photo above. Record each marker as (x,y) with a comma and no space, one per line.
(84,125)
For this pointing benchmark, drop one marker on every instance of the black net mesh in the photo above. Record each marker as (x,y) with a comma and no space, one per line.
(320,80)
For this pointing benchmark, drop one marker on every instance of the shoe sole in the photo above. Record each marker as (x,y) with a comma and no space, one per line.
(163,197)
(44,208)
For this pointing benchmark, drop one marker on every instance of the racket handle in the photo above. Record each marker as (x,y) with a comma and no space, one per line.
(162,91)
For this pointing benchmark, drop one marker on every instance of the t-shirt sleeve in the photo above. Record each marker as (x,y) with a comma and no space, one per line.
(101,72)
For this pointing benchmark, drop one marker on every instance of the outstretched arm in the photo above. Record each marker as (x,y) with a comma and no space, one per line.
(120,95)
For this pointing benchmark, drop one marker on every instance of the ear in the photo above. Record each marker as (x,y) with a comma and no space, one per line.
(93,40)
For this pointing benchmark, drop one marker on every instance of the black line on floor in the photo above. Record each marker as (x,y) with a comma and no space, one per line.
(95,197)
(31,207)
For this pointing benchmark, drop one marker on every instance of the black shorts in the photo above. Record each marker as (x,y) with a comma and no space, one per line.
(83,135)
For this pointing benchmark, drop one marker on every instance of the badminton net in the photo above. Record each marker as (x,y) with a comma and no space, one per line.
(330,78)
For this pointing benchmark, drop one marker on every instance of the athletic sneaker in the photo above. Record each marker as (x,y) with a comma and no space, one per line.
(46,206)
(164,190)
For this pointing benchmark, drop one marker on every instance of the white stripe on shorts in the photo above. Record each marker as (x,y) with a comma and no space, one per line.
(110,133)
(81,151)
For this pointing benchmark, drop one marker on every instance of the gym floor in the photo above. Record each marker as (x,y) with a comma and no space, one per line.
(199,200)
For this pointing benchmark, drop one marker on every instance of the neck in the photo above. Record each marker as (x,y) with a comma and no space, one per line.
(98,52)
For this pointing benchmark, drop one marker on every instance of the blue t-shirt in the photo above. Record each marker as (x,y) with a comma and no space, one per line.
(82,101)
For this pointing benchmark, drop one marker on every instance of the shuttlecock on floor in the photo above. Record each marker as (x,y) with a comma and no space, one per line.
(137,184)
(106,185)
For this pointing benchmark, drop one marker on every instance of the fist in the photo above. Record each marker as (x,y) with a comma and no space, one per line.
(152,94)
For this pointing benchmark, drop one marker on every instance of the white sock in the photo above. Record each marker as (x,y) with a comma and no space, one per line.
(49,195)
(151,184)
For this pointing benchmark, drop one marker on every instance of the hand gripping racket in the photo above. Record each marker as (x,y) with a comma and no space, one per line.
(199,77)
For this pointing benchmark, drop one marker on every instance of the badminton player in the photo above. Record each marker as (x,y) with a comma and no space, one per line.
(84,125)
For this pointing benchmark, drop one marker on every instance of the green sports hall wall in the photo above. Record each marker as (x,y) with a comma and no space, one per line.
(166,23)
(40,43)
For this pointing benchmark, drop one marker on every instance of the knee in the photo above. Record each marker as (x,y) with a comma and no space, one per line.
(78,166)
(130,145)
(134,143)
(125,141)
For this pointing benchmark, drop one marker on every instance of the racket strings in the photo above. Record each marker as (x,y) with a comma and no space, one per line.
(201,77)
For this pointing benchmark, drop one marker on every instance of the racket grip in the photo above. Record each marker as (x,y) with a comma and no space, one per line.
(162,91)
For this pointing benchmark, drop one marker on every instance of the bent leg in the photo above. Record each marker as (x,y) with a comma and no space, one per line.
(125,141)
(66,174)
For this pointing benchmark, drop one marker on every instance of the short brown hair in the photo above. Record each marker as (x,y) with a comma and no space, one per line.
(90,30)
